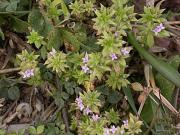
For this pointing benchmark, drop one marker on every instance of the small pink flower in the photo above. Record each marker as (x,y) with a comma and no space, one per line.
(125,122)
(113,56)
(158,28)
(53,52)
(86,58)
(87,111)
(106,131)
(79,103)
(95,117)
(85,68)
(125,51)
(28,73)
(78,100)
(116,34)
(81,106)
(113,129)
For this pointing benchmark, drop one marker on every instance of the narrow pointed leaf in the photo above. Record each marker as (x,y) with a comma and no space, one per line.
(165,69)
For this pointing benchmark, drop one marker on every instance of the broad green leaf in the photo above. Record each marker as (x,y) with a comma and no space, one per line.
(43,52)
(150,40)
(39,23)
(40,129)
(147,111)
(55,39)
(21,131)
(128,94)
(72,39)
(165,85)
(12,6)
(165,69)
(36,20)
(32,130)
(114,97)
(13,93)
(18,25)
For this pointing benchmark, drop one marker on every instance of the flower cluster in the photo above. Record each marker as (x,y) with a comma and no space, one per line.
(108,131)
(81,107)
(86,111)
(79,103)
(158,28)
(28,73)
(84,67)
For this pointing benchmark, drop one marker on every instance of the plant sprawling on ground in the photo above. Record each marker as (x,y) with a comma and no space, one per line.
(78,54)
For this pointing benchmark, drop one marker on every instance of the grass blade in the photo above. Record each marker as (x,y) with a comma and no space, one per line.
(165,69)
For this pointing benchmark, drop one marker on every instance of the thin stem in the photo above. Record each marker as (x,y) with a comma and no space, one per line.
(15,12)
(10,70)
(173,22)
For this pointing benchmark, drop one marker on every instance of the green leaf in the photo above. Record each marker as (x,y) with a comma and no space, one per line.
(128,94)
(39,23)
(43,52)
(65,9)
(21,131)
(13,93)
(72,39)
(2,132)
(165,85)
(147,111)
(150,40)
(36,20)
(165,69)
(65,95)
(32,130)
(40,129)
(12,6)
(114,97)
(55,39)
(18,25)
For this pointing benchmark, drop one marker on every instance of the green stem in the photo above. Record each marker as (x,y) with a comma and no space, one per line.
(15,12)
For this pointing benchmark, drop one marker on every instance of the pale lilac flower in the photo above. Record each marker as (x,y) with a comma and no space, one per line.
(124,51)
(79,103)
(85,68)
(87,111)
(86,58)
(28,73)
(81,106)
(53,52)
(158,28)
(161,26)
(106,131)
(78,100)
(116,34)
(113,56)
(125,122)
(95,117)
(113,129)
